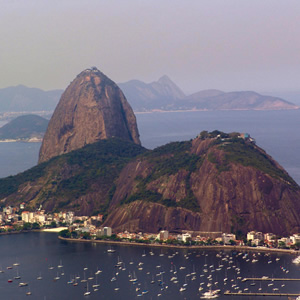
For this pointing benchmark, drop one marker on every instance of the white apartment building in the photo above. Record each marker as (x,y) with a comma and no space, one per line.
(253,235)
(295,238)
(227,237)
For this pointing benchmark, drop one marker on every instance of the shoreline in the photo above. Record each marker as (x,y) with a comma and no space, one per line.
(33,140)
(218,247)
(211,110)
(48,230)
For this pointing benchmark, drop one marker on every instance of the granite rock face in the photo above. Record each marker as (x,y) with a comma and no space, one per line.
(92,108)
(213,183)
(231,195)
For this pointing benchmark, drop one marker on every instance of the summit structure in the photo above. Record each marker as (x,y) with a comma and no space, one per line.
(92,108)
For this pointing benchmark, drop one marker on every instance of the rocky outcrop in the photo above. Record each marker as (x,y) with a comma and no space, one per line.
(152,217)
(214,183)
(227,195)
(91,108)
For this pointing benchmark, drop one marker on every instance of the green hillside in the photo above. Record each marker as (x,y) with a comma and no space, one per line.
(24,127)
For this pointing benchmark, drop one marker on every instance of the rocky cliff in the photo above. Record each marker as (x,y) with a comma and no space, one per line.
(210,184)
(91,108)
(215,182)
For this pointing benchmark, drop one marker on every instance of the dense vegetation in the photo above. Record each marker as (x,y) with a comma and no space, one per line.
(100,163)
(168,160)
(10,184)
(244,152)
(102,160)
(247,154)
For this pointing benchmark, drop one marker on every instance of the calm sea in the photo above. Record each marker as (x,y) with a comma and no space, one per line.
(160,275)
(275,131)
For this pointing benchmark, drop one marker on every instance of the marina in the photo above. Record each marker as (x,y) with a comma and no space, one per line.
(89,270)
(262,294)
(271,279)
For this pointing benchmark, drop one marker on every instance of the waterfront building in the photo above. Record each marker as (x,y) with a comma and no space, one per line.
(227,237)
(104,231)
(269,237)
(295,238)
(253,235)
(8,210)
(107,231)
(164,235)
(69,218)
(186,237)
(25,216)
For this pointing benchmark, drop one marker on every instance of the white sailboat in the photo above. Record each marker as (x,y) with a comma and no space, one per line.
(28,293)
(111,250)
(16,263)
(96,285)
(17,276)
(60,264)
(87,290)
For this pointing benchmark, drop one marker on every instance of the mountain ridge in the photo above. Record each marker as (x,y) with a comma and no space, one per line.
(139,95)
(162,94)
(215,182)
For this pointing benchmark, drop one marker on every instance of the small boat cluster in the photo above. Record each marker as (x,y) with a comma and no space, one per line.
(204,274)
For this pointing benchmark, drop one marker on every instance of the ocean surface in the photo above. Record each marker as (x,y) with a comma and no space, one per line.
(160,273)
(277,132)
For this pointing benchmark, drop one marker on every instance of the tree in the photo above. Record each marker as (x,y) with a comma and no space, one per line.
(65,233)
(297,245)
(74,234)
(26,226)
(53,224)
(86,236)
(36,226)
(204,134)
(281,245)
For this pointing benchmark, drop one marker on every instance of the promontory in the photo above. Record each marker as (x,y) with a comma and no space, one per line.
(92,108)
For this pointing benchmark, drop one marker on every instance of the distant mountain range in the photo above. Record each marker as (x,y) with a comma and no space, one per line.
(166,95)
(21,98)
(163,95)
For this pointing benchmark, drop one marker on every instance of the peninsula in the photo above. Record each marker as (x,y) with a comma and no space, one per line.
(91,163)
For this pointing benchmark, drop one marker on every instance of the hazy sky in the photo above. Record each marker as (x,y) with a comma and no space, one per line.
(199,44)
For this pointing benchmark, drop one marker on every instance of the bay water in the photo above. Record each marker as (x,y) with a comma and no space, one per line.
(67,270)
